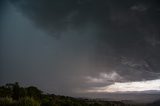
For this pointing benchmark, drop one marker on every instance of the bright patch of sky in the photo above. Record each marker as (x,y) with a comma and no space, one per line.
(129,86)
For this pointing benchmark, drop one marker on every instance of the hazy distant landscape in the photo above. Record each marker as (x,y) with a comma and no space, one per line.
(13,94)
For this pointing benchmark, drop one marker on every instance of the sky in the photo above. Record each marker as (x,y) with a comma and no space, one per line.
(81,47)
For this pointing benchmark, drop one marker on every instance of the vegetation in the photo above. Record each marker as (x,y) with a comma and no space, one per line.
(6,101)
(14,95)
(27,101)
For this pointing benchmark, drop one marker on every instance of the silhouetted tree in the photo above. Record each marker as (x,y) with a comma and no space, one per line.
(5,92)
(33,92)
(16,91)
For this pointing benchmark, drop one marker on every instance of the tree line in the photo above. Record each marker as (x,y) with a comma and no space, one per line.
(14,95)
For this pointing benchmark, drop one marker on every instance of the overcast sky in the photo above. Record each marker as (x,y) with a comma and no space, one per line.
(76,47)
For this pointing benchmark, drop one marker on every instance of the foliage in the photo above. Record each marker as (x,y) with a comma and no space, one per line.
(33,92)
(5,91)
(27,101)
(16,91)
(47,101)
(7,101)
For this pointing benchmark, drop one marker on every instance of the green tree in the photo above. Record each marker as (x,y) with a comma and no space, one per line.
(16,91)
(34,92)
(5,92)
(48,101)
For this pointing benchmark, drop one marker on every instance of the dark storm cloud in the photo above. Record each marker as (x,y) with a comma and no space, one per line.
(93,37)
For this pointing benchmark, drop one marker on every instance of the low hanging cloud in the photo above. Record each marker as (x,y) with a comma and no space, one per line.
(104,78)
(81,43)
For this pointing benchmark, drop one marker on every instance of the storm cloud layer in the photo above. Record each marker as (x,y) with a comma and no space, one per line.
(65,46)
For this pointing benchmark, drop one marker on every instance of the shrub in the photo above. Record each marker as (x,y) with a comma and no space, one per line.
(6,101)
(26,101)
(48,101)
